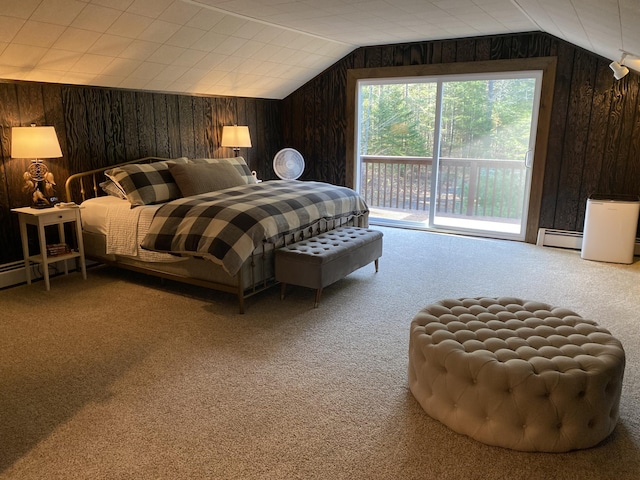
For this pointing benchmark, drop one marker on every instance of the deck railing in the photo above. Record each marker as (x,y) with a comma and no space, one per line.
(469,187)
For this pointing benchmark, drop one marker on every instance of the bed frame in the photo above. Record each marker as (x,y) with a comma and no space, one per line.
(256,274)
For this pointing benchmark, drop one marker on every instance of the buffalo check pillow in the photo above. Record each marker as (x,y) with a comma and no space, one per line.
(147,183)
(237,162)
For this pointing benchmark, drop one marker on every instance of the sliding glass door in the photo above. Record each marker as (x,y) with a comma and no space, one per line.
(452,153)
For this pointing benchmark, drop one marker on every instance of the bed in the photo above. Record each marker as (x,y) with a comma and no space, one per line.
(204,222)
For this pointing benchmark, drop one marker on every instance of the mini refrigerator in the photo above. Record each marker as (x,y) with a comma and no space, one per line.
(610,226)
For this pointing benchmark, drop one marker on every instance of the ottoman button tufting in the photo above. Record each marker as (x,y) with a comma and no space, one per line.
(544,378)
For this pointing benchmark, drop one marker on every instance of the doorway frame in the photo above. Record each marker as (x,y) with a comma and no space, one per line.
(546,64)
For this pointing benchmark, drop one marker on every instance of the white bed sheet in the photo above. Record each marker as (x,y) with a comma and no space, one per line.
(123,227)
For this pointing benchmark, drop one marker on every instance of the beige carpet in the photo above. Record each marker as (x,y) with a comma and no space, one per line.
(120,377)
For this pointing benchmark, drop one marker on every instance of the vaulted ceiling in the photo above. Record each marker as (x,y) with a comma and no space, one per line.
(268,48)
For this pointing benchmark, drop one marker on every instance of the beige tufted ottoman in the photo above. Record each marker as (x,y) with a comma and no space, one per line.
(516,374)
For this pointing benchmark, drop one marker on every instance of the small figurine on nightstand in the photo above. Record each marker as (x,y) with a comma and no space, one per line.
(35,178)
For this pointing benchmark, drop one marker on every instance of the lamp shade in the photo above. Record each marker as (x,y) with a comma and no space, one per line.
(34,142)
(619,70)
(235,136)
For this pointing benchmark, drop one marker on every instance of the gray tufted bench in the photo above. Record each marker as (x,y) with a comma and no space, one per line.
(326,258)
(516,374)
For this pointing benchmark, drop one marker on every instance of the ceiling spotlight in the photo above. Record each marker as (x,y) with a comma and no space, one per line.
(619,70)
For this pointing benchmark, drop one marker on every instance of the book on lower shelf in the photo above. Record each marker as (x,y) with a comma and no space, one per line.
(56,249)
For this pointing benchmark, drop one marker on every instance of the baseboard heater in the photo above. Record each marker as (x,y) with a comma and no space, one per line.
(549,237)
(13,273)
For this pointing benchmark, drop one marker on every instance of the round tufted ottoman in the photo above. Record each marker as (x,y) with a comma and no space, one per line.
(516,374)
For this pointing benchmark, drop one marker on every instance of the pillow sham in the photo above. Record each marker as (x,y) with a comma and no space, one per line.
(147,183)
(238,162)
(112,189)
(197,178)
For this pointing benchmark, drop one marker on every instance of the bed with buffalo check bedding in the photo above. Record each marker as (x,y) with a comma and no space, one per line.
(226,226)
(205,222)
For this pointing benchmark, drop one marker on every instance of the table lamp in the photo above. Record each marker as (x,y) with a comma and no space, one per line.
(235,136)
(37,143)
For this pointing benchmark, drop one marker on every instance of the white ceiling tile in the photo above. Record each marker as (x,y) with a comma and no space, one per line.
(208,42)
(267,34)
(229,64)
(189,58)
(180,12)
(90,63)
(107,80)
(76,40)
(249,49)
(147,70)
(55,59)
(185,37)
(193,75)
(159,31)
(230,45)
(60,12)
(139,50)
(158,85)
(13,73)
(210,61)
(206,19)
(229,25)
(38,34)
(110,45)
(166,54)
(170,74)
(78,78)
(96,18)
(129,25)
(16,55)
(22,9)
(121,5)
(133,83)
(46,76)
(9,27)
(122,67)
(149,8)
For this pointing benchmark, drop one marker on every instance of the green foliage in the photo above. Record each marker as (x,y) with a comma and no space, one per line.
(482,122)
(480,119)
(398,119)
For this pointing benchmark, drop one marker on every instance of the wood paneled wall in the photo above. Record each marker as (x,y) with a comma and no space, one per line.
(99,127)
(594,143)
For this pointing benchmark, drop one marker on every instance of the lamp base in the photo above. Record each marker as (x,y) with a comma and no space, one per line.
(40,205)
(39,200)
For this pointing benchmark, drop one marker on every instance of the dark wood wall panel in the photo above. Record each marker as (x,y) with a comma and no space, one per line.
(577,126)
(594,140)
(98,127)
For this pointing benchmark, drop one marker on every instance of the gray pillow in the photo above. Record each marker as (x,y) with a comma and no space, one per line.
(197,178)
(238,162)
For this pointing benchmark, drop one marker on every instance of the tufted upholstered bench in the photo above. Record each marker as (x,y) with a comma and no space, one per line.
(516,374)
(326,258)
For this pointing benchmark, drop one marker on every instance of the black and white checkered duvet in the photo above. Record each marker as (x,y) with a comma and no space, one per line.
(226,226)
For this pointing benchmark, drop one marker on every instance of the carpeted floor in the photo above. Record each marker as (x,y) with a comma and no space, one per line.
(122,377)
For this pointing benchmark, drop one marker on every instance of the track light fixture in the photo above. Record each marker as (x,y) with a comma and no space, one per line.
(619,68)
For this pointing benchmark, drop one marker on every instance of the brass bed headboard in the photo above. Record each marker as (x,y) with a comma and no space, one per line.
(96,177)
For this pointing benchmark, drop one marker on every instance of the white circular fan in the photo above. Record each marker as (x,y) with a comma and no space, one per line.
(288,164)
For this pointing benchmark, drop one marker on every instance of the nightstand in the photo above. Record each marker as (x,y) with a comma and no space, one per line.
(42,218)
